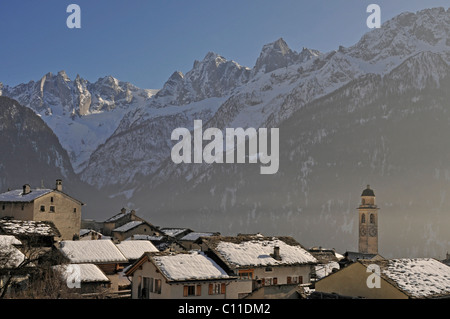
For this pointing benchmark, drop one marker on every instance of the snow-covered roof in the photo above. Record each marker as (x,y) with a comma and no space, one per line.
(145,237)
(134,249)
(86,272)
(194,265)
(128,226)
(7,240)
(117,217)
(29,228)
(174,232)
(91,251)
(239,252)
(419,277)
(323,270)
(84,231)
(196,235)
(10,256)
(16,195)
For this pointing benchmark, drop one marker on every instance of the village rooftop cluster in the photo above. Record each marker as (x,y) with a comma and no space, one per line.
(44,240)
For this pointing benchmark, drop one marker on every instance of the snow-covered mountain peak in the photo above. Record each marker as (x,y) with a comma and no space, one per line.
(273,56)
(214,76)
(404,35)
(307,54)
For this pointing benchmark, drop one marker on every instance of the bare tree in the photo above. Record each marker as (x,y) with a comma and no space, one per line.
(33,263)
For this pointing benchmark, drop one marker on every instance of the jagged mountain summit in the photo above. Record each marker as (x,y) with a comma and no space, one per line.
(224,94)
(82,114)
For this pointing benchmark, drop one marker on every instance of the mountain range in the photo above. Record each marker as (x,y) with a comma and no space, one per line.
(373,113)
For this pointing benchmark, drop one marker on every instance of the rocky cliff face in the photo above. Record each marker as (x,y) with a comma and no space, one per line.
(31,152)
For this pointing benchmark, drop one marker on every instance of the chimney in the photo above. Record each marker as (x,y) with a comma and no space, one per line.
(123,210)
(59,185)
(26,189)
(276,253)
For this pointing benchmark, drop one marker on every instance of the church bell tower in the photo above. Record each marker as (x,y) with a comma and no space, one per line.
(368,223)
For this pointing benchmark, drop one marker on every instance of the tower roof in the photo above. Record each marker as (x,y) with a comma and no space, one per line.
(368,192)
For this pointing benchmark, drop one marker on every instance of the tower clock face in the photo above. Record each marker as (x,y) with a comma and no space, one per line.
(372,231)
(362,231)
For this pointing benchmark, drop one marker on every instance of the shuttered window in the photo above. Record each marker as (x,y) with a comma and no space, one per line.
(216,289)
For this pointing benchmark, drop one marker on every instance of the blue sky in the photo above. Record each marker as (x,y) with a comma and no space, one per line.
(144,42)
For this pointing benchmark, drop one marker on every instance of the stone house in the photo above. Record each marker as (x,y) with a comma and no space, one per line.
(125,216)
(137,227)
(262,261)
(415,278)
(183,275)
(192,240)
(44,205)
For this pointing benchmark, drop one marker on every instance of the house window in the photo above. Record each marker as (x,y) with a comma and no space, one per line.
(189,291)
(268,269)
(51,199)
(217,289)
(146,289)
(267,281)
(3,206)
(139,290)
(74,210)
(157,286)
(52,209)
(151,288)
(42,208)
(246,274)
(294,280)
(192,290)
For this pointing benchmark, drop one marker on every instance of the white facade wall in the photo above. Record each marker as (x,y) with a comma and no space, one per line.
(177,290)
